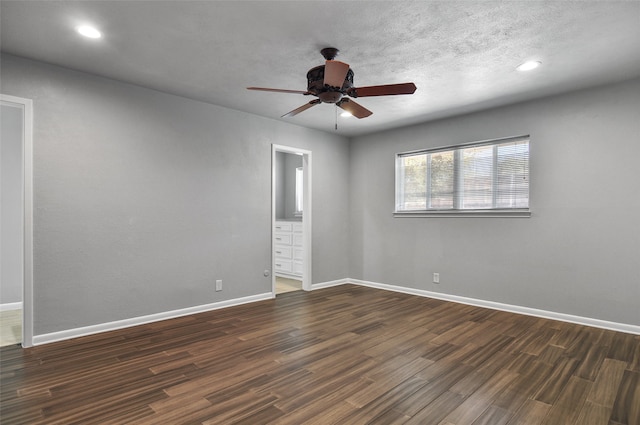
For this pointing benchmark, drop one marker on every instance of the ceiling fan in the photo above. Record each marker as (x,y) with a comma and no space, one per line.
(333,82)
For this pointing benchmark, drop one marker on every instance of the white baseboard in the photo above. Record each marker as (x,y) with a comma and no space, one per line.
(126,323)
(330,284)
(120,324)
(11,306)
(586,321)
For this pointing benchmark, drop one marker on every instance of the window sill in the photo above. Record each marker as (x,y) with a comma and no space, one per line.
(463,213)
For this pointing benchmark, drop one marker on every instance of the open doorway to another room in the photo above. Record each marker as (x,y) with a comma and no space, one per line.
(16,225)
(291,220)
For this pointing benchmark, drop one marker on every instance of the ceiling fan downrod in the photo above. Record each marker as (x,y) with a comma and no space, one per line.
(329,53)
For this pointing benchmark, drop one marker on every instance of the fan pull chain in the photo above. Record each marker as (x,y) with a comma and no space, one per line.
(336,117)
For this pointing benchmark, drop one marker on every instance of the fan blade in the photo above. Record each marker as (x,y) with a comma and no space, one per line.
(385,90)
(335,73)
(302,108)
(354,108)
(278,90)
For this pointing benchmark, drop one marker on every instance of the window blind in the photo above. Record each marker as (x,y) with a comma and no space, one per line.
(491,175)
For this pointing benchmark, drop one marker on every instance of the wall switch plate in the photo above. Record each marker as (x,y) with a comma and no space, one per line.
(218,285)
(436,278)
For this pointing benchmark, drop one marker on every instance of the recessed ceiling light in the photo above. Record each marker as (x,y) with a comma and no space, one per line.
(529,65)
(346,114)
(89,31)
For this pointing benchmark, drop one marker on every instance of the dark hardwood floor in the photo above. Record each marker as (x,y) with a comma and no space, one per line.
(342,355)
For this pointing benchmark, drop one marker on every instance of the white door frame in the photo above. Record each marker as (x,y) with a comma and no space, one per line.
(306,208)
(26,105)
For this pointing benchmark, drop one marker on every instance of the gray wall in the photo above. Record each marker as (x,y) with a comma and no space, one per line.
(292,162)
(143,199)
(286,164)
(12,212)
(578,254)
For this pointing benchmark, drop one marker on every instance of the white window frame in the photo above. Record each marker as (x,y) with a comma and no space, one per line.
(456,211)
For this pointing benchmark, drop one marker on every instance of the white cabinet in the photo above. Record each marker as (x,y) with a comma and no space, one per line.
(288,252)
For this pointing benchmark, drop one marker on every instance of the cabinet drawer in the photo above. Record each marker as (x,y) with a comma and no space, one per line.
(297,239)
(282,238)
(297,253)
(282,227)
(297,227)
(283,265)
(282,252)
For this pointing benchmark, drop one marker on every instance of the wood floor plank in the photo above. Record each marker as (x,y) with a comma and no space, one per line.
(590,366)
(388,375)
(626,408)
(622,347)
(435,411)
(304,410)
(385,402)
(554,386)
(594,414)
(317,384)
(523,387)
(470,383)
(567,407)
(607,383)
(340,355)
(471,409)
(493,416)
(532,412)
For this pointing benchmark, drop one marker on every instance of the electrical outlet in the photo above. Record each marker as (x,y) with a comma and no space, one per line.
(218,285)
(436,278)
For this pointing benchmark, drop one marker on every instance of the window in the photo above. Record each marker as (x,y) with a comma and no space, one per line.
(299,197)
(484,178)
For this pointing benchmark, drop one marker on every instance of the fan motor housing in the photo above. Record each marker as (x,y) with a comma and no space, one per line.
(315,85)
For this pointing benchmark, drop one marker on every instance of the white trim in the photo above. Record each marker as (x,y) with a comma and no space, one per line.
(135,321)
(27,258)
(329,284)
(11,306)
(306,208)
(120,324)
(545,314)
(466,145)
(463,213)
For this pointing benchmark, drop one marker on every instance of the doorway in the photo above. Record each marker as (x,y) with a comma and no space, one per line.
(291,219)
(16,227)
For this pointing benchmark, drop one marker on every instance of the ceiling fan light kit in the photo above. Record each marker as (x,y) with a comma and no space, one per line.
(333,83)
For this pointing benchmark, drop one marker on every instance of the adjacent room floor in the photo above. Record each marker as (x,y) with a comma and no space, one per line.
(10,327)
(284,285)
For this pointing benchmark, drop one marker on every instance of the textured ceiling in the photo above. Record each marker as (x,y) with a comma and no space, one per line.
(460,54)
